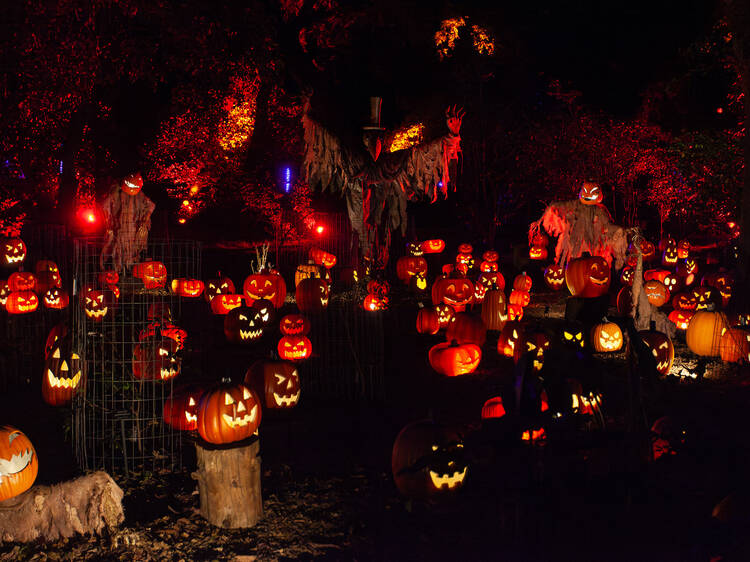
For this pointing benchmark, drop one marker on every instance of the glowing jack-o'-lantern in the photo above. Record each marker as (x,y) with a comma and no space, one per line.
(269,286)
(445,314)
(703,336)
(515,312)
(228,413)
(707,298)
(14,251)
(494,310)
(534,344)
(108,277)
(152,273)
(312,295)
(294,325)
(722,282)
(680,318)
(479,292)
(520,298)
(427,321)
(667,242)
(488,266)
(181,408)
(223,303)
(464,262)
(56,298)
(656,292)
(294,348)
(435,246)
(47,276)
(627,275)
(672,283)
(522,282)
(683,249)
(242,325)
(493,408)
(734,345)
(132,183)
(22,302)
(554,276)
(374,302)
(466,328)
(323,258)
(509,338)
(414,249)
(538,253)
(94,304)
(669,257)
(588,277)
(661,347)
(428,461)
(275,382)
(572,336)
(590,193)
(407,266)
(457,292)
(606,337)
(4,293)
(218,286)
(187,287)
(265,312)
(155,358)
(63,374)
(491,280)
(453,359)
(490,256)
(19,464)
(418,282)
(685,301)
(465,248)
(22,281)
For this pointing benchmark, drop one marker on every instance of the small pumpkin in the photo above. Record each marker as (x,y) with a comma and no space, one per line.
(465,248)
(22,281)
(515,312)
(56,298)
(47,276)
(591,193)
(374,302)
(155,358)
(132,183)
(683,249)
(535,344)
(606,337)
(294,348)
(224,303)
(656,292)
(181,407)
(94,303)
(453,359)
(680,318)
(554,276)
(434,246)
(445,313)
(187,287)
(538,253)
(408,266)
(519,297)
(522,282)
(627,275)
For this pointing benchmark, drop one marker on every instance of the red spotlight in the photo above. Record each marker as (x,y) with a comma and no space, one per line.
(731,224)
(320,229)
(90,217)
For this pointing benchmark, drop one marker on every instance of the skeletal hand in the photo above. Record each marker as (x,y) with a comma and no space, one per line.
(453,117)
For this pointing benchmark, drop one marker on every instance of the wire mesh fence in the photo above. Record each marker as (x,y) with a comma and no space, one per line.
(131,346)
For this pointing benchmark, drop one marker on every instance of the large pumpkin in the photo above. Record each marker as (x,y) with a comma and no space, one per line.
(428,461)
(63,374)
(466,328)
(275,382)
(494,312)
(703,336)
(453,359)
(588,277)
(181,408)
(269,286)
(228,413)
(734,345)
(312,295)
(18,463)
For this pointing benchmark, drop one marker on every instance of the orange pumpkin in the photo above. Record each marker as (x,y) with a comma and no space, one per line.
(494,311)
(588,277)
(538,253)
(466,328)
(56,298)
(656,292)
(493,408)
(661,347)
(453,359)
(427,321)
(408,266)
(228,413)
(187,287)
(591,193)
(323,258)
(520,298)
(223,303)
(703,336)
(434,246)
(734,345)
(457,292)
(20,464)
(294,348)
(606,337)
(554,276)
(14,251)
(312,295)
(22,281)
(445,314)
(509,339)
(275,382)
(152,273)
(680,318)
(269,286)
(522,282)
(22,302)
(294,325)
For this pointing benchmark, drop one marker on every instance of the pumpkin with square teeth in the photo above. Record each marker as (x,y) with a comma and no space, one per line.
(312,295)
(155,358)
(19,464)
(14,251)
(181,408)
(269,286)
(56,298)
(63,374)
(707,298)
(294,348)
(428,461)
(276,382)
(453,359)
(228,413)
(22,302)
(661,347)
(243,325)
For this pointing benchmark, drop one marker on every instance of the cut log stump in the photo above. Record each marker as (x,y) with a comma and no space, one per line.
(229,483)
(89,504)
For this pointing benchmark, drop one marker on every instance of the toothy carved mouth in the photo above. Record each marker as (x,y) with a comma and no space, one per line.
(168,372)
(244,420)
(290,400)
(191,419)
(250,334)
(132,185)
(52,302)
(26,307)
(589,197)
(297,354)
(268,296)
(16,464)
(14,259)
(97,313)
(324,302)
(537,364)
(661,366)
(448,481)
(63,382)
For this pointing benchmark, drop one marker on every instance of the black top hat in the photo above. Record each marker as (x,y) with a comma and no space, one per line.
(374,124)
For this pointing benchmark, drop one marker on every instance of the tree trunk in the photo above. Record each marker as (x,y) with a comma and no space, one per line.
(229,484)
(89,504)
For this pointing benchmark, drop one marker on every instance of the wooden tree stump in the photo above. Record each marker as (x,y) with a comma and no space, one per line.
(229,484)
(89,504)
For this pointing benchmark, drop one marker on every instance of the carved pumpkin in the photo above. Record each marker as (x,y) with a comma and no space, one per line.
(275,382)
(465,248)
(108,277)
(453,359)
(56,333)
(187,287)
(265,286)
(656,292)
(493,408)
(538,253)
(435,246)
(490,256)
(522,282)
(479,292)
(418,282)
(56,298)
(320,257)
(685,301)
(540,239)
(152,273)
(132,183)
(428,461)
(294,325)
(223,303)
(22,281)
(14,251)
(703,336)
(722,282)
(554,276)
(734,345)
(590,193)
(242,325)
(707,298)
(588,277)
(414,249)
(509,338)
(488,266)
(218,286)
(47,276)
(532,343)
(515,312)
(466,328)
(606,337)
(492,280)
(494,311)
(4,293)
(669,257)
(672,283)
(167,330)
(520,298)
(181,408)
(427,321)
(464,262)
(680,318)
(94,304)
(667,242)
(683,249)
(625,301)
(294,348)
(63,374)
(19,464)
(378,287)
(374,302)
(228,413)
(661,347)
(445,313)
(572,336)
(407,266)
(265,312)
(22,302)
(155,358)
(312,295)
(457,292)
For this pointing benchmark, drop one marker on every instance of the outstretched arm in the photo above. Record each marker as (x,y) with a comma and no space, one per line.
(453,117)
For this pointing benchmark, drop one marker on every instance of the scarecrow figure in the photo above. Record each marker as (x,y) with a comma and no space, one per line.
(127,215)
(377,186)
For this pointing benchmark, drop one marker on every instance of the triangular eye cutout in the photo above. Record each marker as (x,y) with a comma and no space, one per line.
(568,335)
(191,401)
(56,353)
(228,399)
(64,366)
(245,393)
(279,378)
(75,356)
